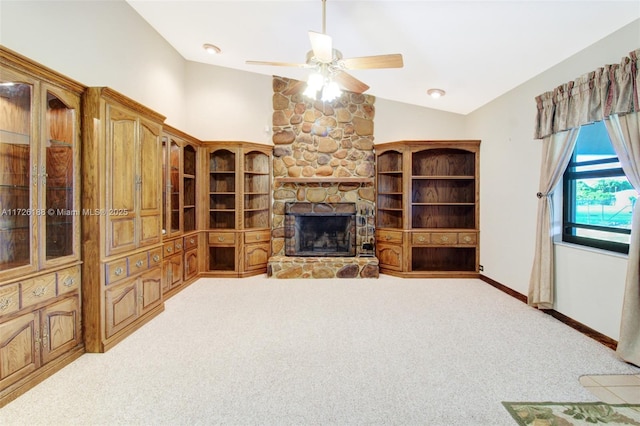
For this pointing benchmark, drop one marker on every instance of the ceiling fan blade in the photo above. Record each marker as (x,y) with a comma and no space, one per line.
(322,46)
(277,64)
(379,61)
(350,83)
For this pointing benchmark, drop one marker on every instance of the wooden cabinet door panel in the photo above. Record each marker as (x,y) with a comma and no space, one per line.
(61,328)
(176,271)
(19,348)
(256,256)
(150,183)
(190,264)
(121,307)
(151,290)
(121,179)
(390,256)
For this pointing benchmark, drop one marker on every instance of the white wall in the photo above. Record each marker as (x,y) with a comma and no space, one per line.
(99,43)
(105,43)
(396,121)
(226,104)
(589,283)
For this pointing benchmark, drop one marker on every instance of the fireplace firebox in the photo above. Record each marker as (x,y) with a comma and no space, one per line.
(320,229)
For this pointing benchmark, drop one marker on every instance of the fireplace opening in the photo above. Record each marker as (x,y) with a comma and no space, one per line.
(320,229)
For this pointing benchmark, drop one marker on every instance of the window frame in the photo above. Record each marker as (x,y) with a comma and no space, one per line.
(569,188)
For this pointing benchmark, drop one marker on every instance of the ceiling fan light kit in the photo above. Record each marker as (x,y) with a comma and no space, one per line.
(329,67)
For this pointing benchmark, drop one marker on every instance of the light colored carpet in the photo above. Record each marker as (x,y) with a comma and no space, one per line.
(261,351)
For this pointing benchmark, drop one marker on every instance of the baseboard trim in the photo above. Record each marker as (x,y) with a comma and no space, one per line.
(587,331)
(503,288)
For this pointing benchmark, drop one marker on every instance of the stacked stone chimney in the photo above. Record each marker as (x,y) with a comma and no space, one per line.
(323,153)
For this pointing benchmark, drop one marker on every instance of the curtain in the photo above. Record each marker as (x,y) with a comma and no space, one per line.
(612,89)
(556,153)
(624,132)
(610,92)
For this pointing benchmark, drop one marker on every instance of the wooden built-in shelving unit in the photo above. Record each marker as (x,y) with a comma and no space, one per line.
(427,213)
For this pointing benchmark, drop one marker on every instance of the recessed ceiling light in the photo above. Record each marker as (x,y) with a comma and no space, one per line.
(211,49)
(436,93)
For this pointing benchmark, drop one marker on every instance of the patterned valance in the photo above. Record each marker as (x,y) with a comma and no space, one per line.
(612,89)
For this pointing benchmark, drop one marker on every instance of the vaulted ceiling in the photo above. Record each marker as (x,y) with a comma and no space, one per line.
(475,50)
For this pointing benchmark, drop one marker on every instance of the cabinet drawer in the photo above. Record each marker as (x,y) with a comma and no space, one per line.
(222,238)
(257,236)
(468,238)
(9,298)
(190,242)
(39,289)
(394,237)
(420,238)
(155,257)
(168,249)
(444,238)
(68,280)
(116,270)
(138,263)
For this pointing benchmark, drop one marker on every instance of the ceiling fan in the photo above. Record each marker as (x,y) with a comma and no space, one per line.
(331,67)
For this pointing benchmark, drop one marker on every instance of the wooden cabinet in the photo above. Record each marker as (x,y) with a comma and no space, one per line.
(172,264)
(191,263)
(179,177)
(180,214)
(239,213)
(39,168)
(428,208)
(39,223)
(131,299)
(40,329)
(132,204)
(122,245)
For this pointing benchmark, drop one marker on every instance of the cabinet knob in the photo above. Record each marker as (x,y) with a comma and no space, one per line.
(178,246)
(68,282)
(421,239)
(467,239)
(39,291)
(156,258)
(118,271)
(139,263)
(387,237)
(169,249)
(192,241)
(220,239)
(257,237)
(5,302)
(444,238)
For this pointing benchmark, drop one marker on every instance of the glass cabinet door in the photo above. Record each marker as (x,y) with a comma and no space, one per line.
(189,188)
(174,187)
(57,178)
(18,178)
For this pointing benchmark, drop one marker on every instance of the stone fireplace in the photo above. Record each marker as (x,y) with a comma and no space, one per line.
(323,165)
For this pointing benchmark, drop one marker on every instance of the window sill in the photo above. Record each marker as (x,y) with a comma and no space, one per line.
(591,249)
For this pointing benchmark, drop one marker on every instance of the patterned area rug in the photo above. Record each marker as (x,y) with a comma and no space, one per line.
(573,413)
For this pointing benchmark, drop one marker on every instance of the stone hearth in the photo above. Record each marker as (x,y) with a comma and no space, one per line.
(323,154)
(322,267)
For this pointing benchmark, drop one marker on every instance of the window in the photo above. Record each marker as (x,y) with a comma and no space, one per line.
(597,197)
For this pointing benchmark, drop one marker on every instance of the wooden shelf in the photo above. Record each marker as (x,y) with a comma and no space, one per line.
(303,180)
